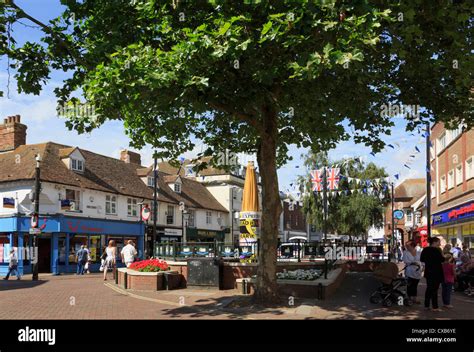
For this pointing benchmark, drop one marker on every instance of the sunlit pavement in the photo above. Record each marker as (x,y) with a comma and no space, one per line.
(89,297)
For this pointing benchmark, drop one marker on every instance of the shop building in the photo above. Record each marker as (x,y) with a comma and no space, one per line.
(226,186)
(85,198)
(452,187)
(292,220)
(186,210)
(405,195)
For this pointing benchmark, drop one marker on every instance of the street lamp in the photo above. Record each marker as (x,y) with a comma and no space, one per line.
(184,218)
(36,216)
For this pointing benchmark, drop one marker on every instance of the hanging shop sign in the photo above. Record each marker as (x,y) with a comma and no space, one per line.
(398,214)
(146,212)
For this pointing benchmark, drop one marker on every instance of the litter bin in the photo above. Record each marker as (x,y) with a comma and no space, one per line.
(205,272)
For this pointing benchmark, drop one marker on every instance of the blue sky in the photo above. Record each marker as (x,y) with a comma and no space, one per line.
(39,113)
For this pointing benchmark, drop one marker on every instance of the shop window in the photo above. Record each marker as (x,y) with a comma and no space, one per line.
(459,178)
(75,244)
(132,207)
(62,250)
(5,247)
(111,205)
(95,248)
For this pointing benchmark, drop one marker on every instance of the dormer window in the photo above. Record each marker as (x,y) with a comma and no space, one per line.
(150,181)
(177,187)
(77,165)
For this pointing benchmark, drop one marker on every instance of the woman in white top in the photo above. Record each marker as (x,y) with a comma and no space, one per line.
(413,269)
(111,251)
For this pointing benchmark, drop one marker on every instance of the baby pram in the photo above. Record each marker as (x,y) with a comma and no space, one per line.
(394,286)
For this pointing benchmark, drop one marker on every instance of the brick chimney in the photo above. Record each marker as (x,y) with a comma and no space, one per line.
(130,157)
(12,133)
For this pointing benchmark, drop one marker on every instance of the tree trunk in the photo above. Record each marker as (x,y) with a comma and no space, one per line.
(266,289)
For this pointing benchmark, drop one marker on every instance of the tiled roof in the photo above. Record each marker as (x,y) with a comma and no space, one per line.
(194,194)
(101,173)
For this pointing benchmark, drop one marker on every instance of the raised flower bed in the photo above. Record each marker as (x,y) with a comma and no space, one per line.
(149,275)
(300,274)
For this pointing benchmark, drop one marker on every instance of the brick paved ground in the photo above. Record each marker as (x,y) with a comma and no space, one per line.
(87,297)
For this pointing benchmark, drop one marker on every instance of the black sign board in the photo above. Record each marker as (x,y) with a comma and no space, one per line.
(203,272)
(287,251)
(374,249)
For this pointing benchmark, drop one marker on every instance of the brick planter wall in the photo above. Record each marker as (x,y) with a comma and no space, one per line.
(140,282)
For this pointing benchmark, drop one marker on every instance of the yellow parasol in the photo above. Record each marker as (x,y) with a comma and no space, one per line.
(249,216)
(250,196)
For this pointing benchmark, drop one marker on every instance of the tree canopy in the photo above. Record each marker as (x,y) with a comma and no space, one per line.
(251,76)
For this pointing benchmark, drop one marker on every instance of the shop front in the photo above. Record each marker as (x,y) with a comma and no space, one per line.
(60,239)
(455,225)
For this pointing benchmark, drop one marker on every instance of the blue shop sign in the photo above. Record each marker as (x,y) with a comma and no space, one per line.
(461,213)
(73,225)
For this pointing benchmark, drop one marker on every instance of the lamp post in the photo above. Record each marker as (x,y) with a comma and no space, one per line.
(155,198)
(184,219)
(36,216)
(428,180)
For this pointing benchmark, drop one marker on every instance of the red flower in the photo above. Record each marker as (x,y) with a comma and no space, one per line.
(150,265)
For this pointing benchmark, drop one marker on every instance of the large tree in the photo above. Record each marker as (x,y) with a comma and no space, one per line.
(253,76)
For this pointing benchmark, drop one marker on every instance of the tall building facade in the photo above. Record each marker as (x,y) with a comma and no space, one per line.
(452,185)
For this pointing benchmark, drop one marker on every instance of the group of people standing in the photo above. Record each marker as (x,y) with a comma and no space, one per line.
(109,257)
(439,267)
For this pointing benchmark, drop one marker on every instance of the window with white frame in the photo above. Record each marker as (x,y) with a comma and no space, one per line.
(77,165)
(459,176)
(451,179)
(73,200)
(433,190)
(208,217)
(150,181)
(442,142)
(110,204)
(469,168)
(443,184)
(132,207)
(191,218)
(456,133)
(177,187)
(409,216)
(170,215)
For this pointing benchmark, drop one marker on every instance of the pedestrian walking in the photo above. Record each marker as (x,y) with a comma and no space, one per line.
(81,258)
(399,252)
(413,269)
(12,265)
(433,259)
(449,271)
(87,266)
(110,259)
(128,253)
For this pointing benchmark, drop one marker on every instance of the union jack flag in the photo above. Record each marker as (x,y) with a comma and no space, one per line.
(317,180)
(333,178)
